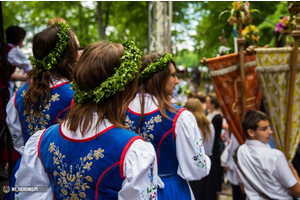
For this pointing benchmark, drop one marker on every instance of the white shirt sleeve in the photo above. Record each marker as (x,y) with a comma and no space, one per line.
(140,171)
(235,174)
(32,173)
(16,58)
(283,173)
(14,125)
(194,164)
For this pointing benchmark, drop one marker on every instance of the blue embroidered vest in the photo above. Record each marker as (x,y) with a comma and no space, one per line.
(60,101)
(161,133)
(89,168)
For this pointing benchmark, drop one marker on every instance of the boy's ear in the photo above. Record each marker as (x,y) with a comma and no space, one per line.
(250,132)
(20,44)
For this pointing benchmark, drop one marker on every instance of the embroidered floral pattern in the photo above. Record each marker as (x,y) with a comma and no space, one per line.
(198,158)
(39,121)
(73,183)
(23,93)
(151,192)
(146,130)
(129,123)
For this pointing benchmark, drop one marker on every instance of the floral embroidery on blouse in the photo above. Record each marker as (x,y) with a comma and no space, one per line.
(73,183)
(198,158)
(152,191)
(39,121)
(146,130)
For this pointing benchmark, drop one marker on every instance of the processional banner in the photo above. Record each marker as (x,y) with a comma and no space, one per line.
(273,68)
(226,76)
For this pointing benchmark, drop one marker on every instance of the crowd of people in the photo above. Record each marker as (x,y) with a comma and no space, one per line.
(103,123)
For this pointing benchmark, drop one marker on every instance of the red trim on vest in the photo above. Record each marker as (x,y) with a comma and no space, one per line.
(174,121)
(17,91)
(60,114)
(39,155)
(149,113)
(38,148)
(56,86)
(165,135)
(98,182)
(86,139)
(124,153)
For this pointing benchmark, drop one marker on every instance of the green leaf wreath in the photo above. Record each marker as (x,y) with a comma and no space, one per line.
(52,58)
(154,67)
(117,82)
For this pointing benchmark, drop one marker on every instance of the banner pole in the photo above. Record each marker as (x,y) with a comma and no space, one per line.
(241,42)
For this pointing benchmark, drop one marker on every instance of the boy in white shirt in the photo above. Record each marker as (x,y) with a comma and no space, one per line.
(15,36)
(263,172)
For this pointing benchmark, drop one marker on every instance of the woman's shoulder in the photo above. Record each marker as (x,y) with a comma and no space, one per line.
(218,117)
(185,116)
(176,106)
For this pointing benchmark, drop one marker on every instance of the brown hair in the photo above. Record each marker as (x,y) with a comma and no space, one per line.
(97,63)
(155,86)
(39,89)
(191,95)
(14,34)
(214,100)
(251,119)
(56,19)
(194,106)
(201,96)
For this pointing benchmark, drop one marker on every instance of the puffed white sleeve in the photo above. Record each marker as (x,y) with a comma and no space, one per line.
(194,164)
(16,58)
(14,126)
(140,172)
(32,173)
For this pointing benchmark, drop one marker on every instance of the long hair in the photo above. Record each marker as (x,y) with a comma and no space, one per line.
(194,106)
(155,86)
(97,63)
(38,92)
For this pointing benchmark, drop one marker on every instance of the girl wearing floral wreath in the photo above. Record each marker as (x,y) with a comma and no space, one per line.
(44,100)
(90,155)
(172,130)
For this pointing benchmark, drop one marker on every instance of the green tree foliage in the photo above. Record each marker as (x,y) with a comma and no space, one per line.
(267,27)
(210,26)
(119,19)
(129,20)
(183,14)
(34,15)
(187,58)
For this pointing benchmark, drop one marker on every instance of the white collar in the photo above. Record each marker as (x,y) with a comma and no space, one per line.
(256,143)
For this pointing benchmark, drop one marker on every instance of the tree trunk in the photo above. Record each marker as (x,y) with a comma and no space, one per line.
(80,31)
(101,28)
